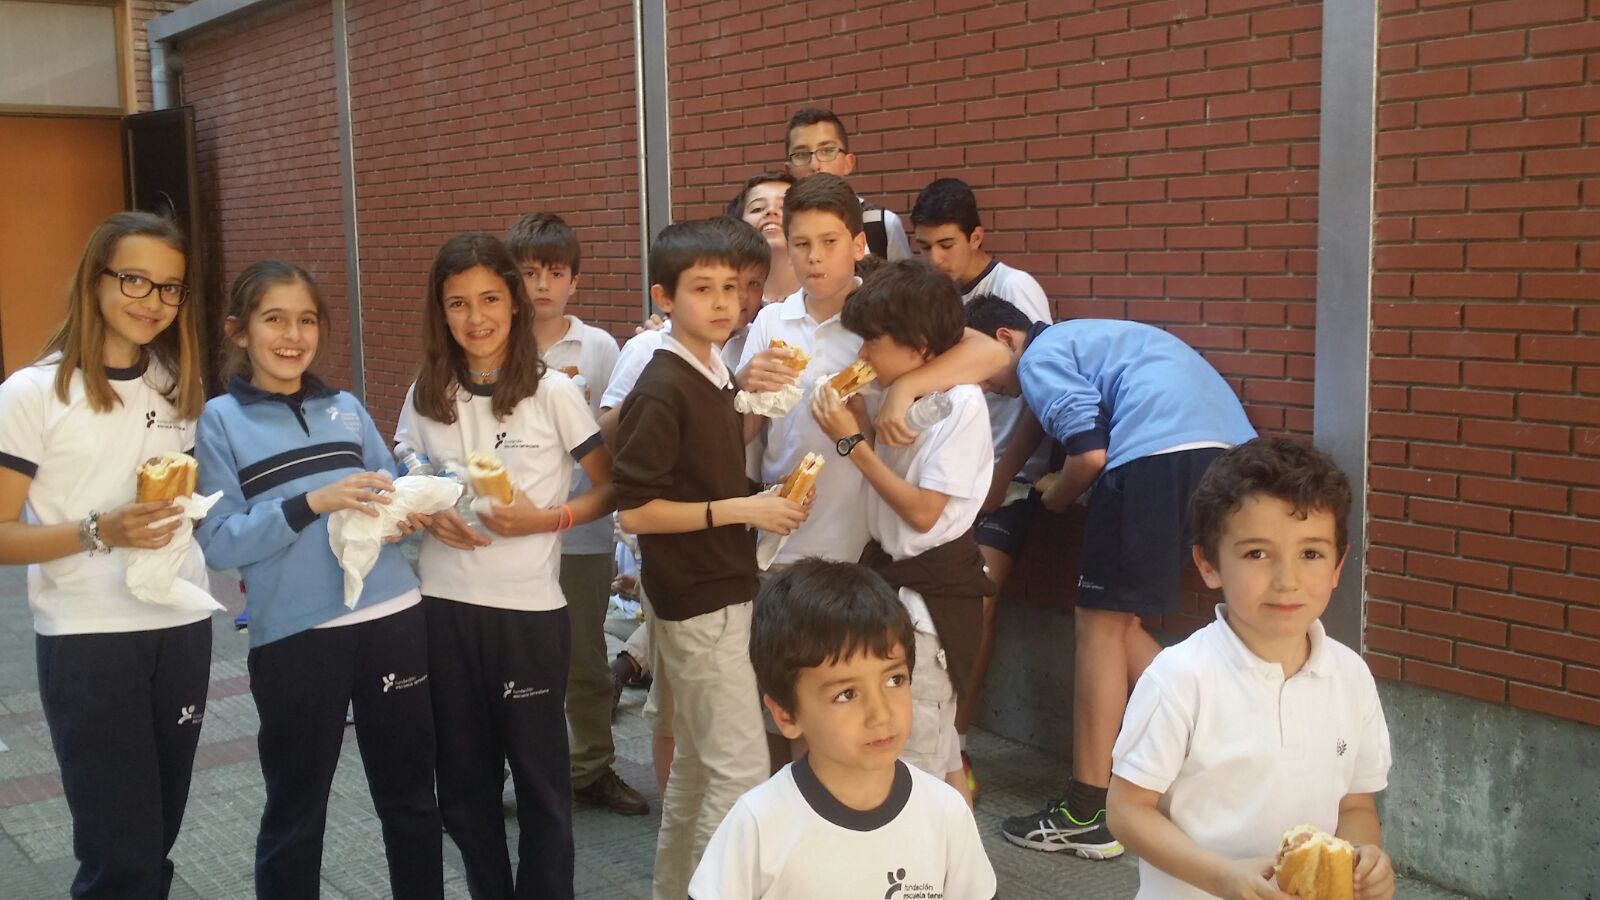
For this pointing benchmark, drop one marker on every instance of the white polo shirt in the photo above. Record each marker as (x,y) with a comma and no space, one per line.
(593,352)
(82,461)
(837,526)
(1239,753)
(538,444)
(790,839)
(630,363)
(1019,289)
(954,457)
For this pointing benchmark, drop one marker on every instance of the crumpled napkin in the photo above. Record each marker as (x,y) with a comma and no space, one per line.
(357,538)
(768,543)
(772,404)
(152,575)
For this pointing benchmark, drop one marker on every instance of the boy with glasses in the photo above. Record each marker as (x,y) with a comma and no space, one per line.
(816,141)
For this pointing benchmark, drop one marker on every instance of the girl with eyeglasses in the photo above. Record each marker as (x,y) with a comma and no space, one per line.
(122,682)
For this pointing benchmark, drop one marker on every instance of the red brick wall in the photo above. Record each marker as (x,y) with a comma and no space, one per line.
(267,141)
(1154,160)
(140,13)
(466,119)
(1485,559)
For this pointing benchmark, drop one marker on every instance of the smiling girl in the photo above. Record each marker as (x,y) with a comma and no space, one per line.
(123,683)
(286,450)
(498,634)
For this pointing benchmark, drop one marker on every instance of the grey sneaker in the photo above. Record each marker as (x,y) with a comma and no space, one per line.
(1055,829)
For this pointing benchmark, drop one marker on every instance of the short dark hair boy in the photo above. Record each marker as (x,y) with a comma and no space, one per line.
(736,204)
(544,238)
(947,201)
(833,649)
(681,486)
(1269,516)
(906,315)
(816,142)
(823,193)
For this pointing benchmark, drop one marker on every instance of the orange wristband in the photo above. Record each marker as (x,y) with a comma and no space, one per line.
(568,518)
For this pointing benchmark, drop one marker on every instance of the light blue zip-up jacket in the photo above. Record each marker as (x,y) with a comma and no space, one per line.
(265,452)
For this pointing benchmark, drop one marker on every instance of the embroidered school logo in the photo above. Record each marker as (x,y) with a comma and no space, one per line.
(1085,584)
(187,716)
(512,692)
(1341,747)
(333,413)
(150,419)
(507,441)
(392,682)
(895,879)
(499,439)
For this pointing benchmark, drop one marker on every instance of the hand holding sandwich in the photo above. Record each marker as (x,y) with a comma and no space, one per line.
(141,526)
(519,517)
(774,368)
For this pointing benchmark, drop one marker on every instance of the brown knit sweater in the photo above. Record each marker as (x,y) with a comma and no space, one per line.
(679,438)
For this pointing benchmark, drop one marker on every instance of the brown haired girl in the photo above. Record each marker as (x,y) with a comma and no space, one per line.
(123,682)
(498,634)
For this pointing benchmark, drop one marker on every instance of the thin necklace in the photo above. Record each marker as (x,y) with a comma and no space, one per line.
(484,376)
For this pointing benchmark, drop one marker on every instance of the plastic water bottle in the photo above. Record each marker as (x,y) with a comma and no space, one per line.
(412,460)
(927,411)
(455,471)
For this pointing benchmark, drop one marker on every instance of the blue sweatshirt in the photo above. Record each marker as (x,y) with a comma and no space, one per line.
(264,452)
(1126,388)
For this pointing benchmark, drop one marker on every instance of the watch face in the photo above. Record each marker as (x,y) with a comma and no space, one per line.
(847,444)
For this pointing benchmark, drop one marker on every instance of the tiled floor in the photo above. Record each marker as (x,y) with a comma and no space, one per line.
(215,851)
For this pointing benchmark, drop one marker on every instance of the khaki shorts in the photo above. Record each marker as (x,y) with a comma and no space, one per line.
(933,745)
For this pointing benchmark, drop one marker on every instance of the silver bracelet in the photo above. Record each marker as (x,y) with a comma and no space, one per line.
(89,535)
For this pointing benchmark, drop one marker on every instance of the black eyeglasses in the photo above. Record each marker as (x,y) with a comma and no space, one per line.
(138,287)
(822,154)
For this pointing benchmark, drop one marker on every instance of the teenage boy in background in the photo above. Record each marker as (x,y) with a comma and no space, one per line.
(815,141)
(950,234)
(548,255)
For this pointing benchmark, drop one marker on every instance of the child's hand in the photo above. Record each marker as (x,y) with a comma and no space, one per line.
(408,526)
(142,526)
(1374,873)
(448,527)
(768,512)
(1251,879)
(889,426)
(519,517)
(357,492)
(768,371)
(653,323)
(835,419)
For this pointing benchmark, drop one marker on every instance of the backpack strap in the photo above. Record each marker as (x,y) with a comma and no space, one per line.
(877,232)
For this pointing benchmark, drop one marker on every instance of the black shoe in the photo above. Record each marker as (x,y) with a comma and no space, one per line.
(1055,829)
(611,792)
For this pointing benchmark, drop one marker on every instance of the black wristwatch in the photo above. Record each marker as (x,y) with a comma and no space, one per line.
(845,445)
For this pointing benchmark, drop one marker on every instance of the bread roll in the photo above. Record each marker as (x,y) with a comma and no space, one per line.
(859,374)
(167,478)
(799,482)
(798,362)
(1315,865)
(489,477)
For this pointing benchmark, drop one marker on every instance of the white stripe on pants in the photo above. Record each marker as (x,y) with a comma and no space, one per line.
(721,745)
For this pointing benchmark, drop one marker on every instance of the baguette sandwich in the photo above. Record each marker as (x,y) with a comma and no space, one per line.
(489,477)
(858,375)
(167,477)
(1315,865)
(797,484)
(798,362)
(569,371)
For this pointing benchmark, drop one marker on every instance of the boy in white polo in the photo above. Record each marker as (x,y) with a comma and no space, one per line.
(1258,722)
(548,256)
(923,498)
